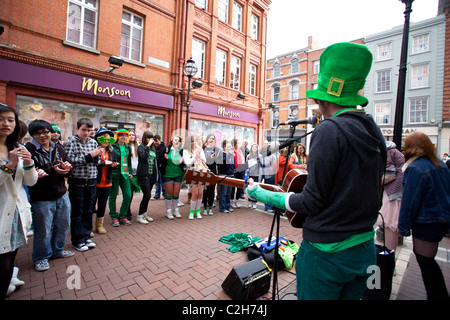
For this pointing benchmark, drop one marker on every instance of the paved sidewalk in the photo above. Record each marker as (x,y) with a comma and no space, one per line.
(177,259)
(180,259)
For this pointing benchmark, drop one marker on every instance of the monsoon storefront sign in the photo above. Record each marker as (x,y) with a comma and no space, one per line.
(53,79)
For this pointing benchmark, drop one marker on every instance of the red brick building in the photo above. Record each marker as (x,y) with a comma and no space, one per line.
(55,62)
(288,77)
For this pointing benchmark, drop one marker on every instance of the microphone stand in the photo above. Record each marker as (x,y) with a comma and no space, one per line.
(278,212)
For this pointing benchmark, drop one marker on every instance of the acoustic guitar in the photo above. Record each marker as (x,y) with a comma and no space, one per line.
(293,182)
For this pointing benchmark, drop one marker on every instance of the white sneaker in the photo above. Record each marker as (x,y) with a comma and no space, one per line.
(141,219)
(180,204)
(233,204)
(177,214)
(254,206)
(11,289)
(169,214)
(210,211)
(90,244)
(231,210)
(147,217)
(236,203)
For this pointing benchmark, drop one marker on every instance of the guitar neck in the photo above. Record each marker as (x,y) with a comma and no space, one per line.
(238,183)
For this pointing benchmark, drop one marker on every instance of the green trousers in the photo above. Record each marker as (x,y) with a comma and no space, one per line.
(125,186)
(334,276)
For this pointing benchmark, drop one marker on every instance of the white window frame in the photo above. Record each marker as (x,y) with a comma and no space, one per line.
(253,73)
(295,65)
(294,90)
(276,70)
(293,112)
(223,10)
(384,51)
(255,27)
(198,55)
(420,43)
(421,113)
(316,67)
(235,72)
(72,21)
(237,16)
(134,28)
(276,95)
(221,67)
(383,112)
(379,87)
(420,76)
(202,4)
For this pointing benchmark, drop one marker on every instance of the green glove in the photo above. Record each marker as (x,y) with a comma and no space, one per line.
(287,254)
(276,199)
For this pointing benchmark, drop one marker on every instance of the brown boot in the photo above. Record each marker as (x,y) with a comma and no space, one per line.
(99,225)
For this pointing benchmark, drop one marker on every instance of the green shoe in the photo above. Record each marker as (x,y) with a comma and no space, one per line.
(191,214)
(197,214)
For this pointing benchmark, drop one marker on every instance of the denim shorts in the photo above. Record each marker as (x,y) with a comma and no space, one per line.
(431,232)
(174,180)
(146,181)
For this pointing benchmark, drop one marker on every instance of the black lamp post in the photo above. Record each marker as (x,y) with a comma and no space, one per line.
(190,69)
(400,104)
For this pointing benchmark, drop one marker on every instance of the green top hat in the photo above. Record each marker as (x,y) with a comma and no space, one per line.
(343,71)
(55,127)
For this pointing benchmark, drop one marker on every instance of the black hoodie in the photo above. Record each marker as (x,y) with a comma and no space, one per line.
(342,194)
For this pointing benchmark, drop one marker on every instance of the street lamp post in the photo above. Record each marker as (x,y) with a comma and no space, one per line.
(400,104)
(190,69)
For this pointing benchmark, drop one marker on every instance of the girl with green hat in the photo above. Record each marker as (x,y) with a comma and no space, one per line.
(121,178)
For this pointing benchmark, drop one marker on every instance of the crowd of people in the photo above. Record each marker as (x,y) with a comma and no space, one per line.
(53,188)
(348,159)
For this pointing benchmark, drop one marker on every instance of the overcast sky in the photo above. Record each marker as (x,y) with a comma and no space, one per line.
(291,22)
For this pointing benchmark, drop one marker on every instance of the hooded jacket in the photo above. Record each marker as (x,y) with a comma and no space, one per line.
(53,186)
(342,194)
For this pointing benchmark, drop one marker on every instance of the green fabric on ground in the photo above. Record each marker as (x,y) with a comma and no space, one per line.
(238,241)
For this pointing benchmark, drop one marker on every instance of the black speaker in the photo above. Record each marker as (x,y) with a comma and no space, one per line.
(248,281)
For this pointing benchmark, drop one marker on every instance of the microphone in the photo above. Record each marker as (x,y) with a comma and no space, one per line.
(311,120)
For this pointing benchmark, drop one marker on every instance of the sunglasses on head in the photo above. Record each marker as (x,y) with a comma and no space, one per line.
(103,139)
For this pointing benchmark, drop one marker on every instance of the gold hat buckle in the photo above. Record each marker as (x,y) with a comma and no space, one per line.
(331,85)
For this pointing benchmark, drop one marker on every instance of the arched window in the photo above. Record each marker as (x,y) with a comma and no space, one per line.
(276,93)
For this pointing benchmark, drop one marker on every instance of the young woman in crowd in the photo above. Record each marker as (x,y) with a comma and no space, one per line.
(194,158)
(121,178)
(212,154)
(16,169)
(254,168)
(133,142)
(147,174)
(172,171)
(425,208)
(104,137)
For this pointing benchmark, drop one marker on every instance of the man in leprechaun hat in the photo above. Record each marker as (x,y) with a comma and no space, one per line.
(342,193)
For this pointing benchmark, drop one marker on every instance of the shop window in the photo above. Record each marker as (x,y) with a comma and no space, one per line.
(66,115)
(222,131)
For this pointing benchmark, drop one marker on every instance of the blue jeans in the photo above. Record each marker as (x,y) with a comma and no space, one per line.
(48,214)
(159,187)
(81,199)
(224,197)
(268,180)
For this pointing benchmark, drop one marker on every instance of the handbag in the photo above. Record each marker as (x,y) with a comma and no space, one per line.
(385,267)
